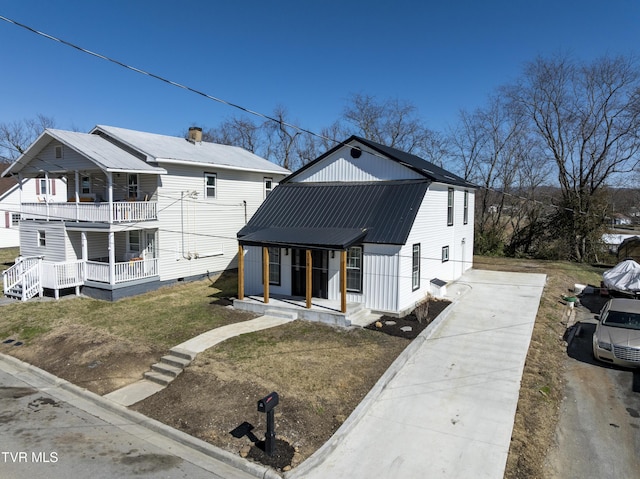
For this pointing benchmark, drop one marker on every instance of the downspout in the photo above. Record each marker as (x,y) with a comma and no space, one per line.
(244,202)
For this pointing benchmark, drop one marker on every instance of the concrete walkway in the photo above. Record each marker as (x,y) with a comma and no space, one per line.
(188,350)
(446,406)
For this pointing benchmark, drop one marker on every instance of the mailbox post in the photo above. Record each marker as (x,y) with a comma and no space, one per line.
(266,405)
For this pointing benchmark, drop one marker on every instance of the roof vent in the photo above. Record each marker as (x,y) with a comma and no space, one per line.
(356,152)
(195,134)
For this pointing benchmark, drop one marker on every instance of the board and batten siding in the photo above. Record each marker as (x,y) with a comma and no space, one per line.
(340,166)
(199,234)
(431,231)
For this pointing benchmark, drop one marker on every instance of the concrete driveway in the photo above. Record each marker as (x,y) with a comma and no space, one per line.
(446,407)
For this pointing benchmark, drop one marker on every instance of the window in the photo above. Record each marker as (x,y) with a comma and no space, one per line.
(268,186)
(210,185)
(59,151)
(134,241)
(415,267)
(354,269)
(85,185)
(274,266)
(132,186)
(43,186)
(42,240)
(466,207)
(450,207)
(15,219)
(445,254)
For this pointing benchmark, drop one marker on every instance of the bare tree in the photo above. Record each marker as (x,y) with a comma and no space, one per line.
(587,116)
(17,135)
(237,131)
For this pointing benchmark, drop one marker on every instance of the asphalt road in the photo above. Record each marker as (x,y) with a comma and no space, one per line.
(598,434)
(50,433)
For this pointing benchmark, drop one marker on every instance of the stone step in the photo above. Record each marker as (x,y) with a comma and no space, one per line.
(182,353)
(166,369)
(158,378)
(176,361)
(278,313)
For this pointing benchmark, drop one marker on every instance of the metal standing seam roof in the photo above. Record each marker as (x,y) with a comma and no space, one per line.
(174,148)
(336,215)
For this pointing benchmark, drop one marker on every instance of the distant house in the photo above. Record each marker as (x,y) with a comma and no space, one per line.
(629,248)
(364,223)
(138,210)
(12,193)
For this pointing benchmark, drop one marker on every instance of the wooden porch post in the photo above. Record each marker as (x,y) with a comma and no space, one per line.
(343,281)
(265,274)
(309,276)
(240,272)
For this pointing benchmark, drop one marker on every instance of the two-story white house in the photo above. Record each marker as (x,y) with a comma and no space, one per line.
(139,210)
(365,224)
(12,194)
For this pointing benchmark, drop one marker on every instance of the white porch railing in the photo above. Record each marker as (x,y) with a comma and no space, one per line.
(22,280)
(57,276)
(122,211)
(124,271)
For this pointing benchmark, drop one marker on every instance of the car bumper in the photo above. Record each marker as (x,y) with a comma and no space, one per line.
(610,357)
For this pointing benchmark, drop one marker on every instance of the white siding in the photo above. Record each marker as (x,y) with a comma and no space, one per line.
(430,230)
(340,166)
(203,229)
(70,161)
(54,250)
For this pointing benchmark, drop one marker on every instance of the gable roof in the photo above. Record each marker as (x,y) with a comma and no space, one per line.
(413,162)
(177,150)
(336,215)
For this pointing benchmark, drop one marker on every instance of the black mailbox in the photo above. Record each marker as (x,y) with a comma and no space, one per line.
(267,403)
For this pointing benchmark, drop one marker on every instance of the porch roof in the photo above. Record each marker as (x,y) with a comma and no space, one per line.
(314,238)
(336,215)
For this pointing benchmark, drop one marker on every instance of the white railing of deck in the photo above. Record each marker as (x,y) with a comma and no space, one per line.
(123,211)
(63,275)
(124,271)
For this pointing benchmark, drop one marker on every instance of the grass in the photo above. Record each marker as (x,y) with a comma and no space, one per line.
(542,387)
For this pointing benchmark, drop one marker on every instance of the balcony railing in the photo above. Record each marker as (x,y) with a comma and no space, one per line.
(99,212)
(124,271)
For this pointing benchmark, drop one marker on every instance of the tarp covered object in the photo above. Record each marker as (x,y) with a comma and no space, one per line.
(624,276)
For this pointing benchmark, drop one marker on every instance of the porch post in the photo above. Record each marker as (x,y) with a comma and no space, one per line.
(240,272)
(112,258)
(77,195)
(343,281)
(265,274)
(309,276)
(110,195)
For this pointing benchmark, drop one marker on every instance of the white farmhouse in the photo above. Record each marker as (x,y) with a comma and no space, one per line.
(139,210)
(364,224)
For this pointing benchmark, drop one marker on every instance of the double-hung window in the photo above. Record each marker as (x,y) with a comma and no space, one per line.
(415,267)
(42,238)
(466,207)
(132,183)
(450,207)
(354,269)
(210,185)
(274,266)
(268,186)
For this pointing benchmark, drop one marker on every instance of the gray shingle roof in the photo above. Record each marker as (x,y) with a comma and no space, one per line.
(335,215)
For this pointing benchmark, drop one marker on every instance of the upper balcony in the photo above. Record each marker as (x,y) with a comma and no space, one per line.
(96,212)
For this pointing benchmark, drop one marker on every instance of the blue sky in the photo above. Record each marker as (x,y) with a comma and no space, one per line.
(308,56)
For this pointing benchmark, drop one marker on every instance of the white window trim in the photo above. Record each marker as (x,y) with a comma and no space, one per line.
(359,269)
(42,239)
(450,203)
(58,152)
(466,207)
(445,254)
(207,187)
(270,188)
(415,267)
(129,248)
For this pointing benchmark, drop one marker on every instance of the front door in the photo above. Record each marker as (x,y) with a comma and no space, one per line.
(319,275)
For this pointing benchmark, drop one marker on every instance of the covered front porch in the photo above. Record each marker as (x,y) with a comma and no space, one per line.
(321,310)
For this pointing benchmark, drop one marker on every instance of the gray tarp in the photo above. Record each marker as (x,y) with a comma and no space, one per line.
(624,276)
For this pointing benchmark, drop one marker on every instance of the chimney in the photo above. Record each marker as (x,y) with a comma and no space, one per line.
(195,134)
